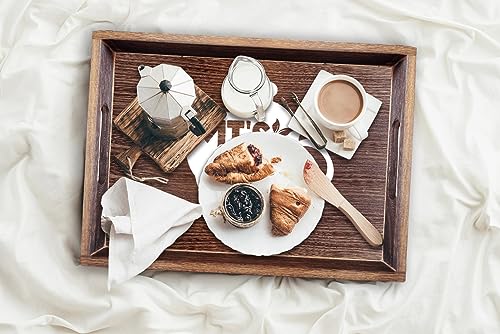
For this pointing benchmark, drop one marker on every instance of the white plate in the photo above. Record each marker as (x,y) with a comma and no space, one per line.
(258,239)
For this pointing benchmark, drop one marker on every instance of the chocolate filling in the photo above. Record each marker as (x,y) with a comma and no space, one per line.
(255,152)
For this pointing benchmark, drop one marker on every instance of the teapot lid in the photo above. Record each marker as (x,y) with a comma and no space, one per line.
(164,90)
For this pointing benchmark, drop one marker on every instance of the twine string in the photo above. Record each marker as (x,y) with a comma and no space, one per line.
(142,179)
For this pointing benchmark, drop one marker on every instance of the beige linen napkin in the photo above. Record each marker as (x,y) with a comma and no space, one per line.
(141,222)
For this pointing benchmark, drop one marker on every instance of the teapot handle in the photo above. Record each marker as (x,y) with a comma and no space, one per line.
(196,127)
(260,113)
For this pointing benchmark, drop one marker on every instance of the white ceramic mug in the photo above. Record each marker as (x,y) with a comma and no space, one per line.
(341,126)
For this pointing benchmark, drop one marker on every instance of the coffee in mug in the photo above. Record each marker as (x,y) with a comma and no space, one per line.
(340,102)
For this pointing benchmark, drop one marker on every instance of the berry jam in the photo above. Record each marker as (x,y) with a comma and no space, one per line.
(243,203)
(255,152)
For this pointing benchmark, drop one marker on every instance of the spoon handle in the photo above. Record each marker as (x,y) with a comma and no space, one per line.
(364,227)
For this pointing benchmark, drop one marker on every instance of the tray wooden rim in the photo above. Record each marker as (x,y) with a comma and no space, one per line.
(104,39)
(269,43)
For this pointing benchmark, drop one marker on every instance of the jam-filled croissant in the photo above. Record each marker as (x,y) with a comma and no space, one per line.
(242,163)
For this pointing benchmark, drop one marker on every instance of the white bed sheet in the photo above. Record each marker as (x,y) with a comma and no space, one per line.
(453,282)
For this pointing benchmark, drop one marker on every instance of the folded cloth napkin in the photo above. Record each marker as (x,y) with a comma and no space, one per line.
(141,222)
(358,132)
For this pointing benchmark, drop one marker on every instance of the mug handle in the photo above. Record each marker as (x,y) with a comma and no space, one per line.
(274,89)
(195,125)
(359,134)
(260,114)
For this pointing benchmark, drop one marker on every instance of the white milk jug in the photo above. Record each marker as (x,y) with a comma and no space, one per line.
(247,91)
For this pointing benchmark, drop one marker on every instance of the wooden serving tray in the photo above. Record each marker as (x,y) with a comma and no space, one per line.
(376,180)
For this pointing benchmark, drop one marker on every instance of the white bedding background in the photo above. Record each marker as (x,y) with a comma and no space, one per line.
(453,282)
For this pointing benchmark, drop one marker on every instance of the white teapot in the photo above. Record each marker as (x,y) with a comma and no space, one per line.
(166,93)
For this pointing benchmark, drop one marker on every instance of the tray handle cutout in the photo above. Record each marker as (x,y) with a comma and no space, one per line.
(104,138)
(394,159)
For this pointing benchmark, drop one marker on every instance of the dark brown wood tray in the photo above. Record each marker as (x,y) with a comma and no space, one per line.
(376,180)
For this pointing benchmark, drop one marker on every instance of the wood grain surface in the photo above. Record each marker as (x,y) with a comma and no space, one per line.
(335,249)
(97,152)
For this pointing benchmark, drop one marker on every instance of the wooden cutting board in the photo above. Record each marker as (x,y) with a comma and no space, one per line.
(166,154)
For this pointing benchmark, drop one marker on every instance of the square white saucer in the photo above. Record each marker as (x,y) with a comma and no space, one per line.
(361,127)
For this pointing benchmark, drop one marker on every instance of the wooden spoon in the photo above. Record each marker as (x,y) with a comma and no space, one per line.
(319,183)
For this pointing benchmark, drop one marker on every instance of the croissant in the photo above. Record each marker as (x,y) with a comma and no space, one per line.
(235,177)
(288,206)
(242,163)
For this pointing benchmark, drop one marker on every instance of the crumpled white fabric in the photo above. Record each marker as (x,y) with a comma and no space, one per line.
(141,222)
(454,236)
